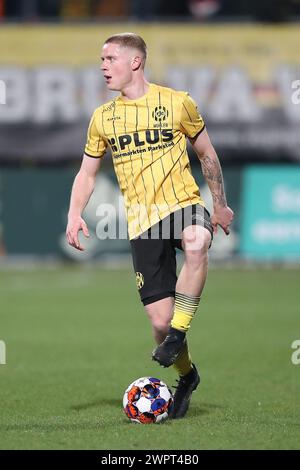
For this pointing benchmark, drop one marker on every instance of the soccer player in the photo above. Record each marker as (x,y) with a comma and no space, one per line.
(146,128)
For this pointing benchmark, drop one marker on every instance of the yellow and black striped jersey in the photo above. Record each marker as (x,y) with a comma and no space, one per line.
(147,138)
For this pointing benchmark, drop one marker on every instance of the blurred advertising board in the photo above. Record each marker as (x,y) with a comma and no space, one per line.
(245,79)
(34,204)
(270,213)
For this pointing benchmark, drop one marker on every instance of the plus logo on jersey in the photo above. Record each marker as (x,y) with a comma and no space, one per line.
(139,139)
(160,113)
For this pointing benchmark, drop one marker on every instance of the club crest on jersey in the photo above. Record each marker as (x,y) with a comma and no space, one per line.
(160,113)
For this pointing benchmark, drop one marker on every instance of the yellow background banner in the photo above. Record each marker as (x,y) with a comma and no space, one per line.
(258,49)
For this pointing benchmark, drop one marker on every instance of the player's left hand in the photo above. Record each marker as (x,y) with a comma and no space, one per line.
(222,216)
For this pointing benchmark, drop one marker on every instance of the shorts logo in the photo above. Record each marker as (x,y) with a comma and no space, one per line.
(160,113)
(139,280)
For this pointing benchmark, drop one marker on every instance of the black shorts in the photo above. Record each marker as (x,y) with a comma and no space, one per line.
(154,255)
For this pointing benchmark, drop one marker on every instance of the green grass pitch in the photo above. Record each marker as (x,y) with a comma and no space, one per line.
(76,337)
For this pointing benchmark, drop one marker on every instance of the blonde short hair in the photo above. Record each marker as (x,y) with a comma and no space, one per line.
(130,40)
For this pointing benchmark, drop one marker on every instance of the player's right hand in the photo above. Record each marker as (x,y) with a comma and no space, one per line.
(222,216)
(75,224)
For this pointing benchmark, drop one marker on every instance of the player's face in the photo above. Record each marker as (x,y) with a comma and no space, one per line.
(116,66)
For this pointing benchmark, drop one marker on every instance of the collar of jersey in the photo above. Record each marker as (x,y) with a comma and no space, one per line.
(119,98)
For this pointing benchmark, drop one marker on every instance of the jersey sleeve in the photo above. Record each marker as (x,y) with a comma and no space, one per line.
(191,121)
(95,145)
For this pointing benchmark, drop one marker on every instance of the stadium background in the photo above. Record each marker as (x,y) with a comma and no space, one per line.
(240,62)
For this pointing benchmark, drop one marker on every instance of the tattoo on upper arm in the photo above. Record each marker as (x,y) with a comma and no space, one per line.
(212,172)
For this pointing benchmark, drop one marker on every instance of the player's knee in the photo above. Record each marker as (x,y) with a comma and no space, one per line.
(196,246)
(160,314)
(160,324)
(196,239)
